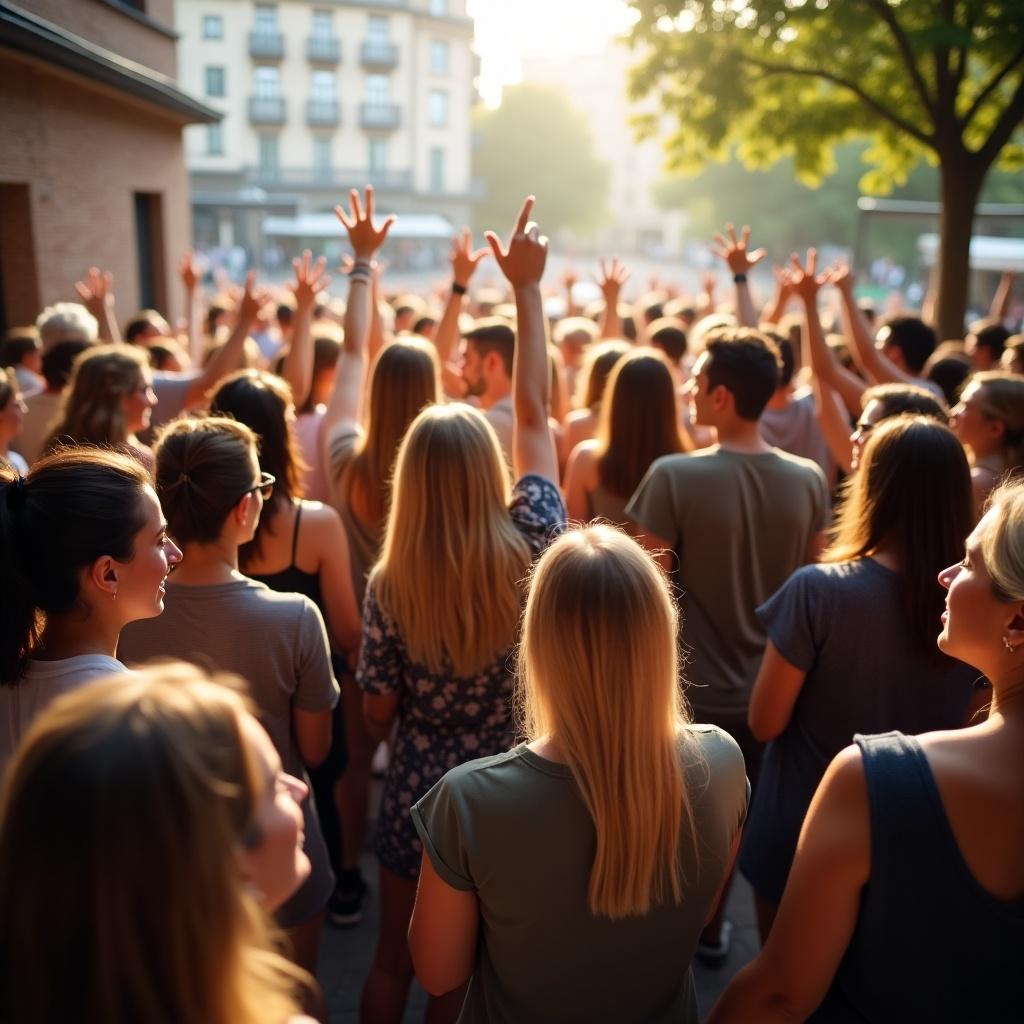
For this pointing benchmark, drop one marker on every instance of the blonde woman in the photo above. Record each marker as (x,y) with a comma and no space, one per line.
(443,604)
(570,878)
(906,898)
(989,421)
(145,825)
(360,447)
(109,400)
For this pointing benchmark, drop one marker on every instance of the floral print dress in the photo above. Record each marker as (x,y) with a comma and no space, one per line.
(443,720)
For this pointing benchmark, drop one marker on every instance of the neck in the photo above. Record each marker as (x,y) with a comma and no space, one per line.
(71,636)
(206,564)
(549,748)
(886,554)
(495,392)
(742,436)
(1008,693)
(781,398)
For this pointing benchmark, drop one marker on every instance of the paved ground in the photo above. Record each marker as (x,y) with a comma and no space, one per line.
(345,957)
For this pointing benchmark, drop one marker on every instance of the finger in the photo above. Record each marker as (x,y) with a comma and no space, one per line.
(340,213)
(83,292)
(795,260)
(757,255)
(323,282)
(812,261)
(369,202)
(531,229)
(467,239)
(386,227)
(524,213)
(604,268)
(745,235)
(732,234)
(495,243)
(719,252)
(355,205)
(479,254)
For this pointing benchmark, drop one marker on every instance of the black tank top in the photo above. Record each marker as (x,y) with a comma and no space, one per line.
(293,580)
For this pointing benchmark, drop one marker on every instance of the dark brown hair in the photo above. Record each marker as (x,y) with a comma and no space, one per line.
(747,364)
(913,491)
(598,364)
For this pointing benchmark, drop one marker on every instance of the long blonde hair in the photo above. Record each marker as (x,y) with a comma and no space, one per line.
(450,569)
(599,670)
(1000,396)
(122,816)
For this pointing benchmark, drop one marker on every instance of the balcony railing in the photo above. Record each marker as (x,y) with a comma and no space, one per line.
(324,49)
(378,54)
(267,109)
(323,113)
(379,115)
(266,44)
(339,179)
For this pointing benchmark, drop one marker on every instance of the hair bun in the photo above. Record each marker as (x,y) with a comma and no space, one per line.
(15,495)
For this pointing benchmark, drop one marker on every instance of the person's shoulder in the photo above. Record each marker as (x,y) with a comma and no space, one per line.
(715,756)
(799,468)
(320,518)
(466,776)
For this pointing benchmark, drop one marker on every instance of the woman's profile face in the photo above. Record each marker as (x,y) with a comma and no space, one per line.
(11,417)
(870,417)
(970,424)
(138,404)
(274,865)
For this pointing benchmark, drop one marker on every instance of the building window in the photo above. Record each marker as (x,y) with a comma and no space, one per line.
(378,89)
(439,57)
(439,8)
(270,165)
(322,157)
(266,82)
(437,108)
(213,26)
(215,81)
(265,18)
(325,86)
(377,31)
(214,140)
(378,155)
(323,25)
(437,169)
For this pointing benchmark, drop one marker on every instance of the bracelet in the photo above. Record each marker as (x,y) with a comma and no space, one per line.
(739,278)
(358,271)
(357,280)
(458,289)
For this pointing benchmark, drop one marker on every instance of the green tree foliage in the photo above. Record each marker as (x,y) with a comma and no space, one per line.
(939,80)
(535,142)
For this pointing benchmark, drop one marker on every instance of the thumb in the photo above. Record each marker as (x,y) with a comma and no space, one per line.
(495,243)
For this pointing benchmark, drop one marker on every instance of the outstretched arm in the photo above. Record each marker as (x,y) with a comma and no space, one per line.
(97,295)
(772,314)
(522,263)
(346,397)
(190,275)
(310,280)
(1000,308)
(741,261)
(464,263)
(613,276)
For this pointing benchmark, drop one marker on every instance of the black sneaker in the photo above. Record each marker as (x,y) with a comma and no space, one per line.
(345,907)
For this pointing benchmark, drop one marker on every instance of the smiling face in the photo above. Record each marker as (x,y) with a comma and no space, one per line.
(138,405)
(140,582)
(869,418)
(273,863)
(972,426)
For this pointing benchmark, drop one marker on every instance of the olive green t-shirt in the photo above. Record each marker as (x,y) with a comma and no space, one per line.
(739,525)
(513,828)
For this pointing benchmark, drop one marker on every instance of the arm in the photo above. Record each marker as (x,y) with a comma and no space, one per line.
(343,618)
(773,698)
(875,366)
(1000,308)
(741,261)
(834,423)
(442,932)
(464,262)
(376,320)
(706,299)
(569,280)
(378,714)
(365,239)
(819,908)
(310,280)
(772,314)
(312,731)
(613,276)
(522,263)
(97,295)
(189,273)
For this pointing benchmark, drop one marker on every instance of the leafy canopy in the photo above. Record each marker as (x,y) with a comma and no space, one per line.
(938,79)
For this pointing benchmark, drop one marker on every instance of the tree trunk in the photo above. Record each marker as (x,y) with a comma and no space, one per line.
(961,185)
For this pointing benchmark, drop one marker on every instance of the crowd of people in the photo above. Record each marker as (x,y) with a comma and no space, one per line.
(626,596)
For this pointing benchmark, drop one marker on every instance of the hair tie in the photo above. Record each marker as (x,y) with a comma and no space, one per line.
(184,479)
(16,493)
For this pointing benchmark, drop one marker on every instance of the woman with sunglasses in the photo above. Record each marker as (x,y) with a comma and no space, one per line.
(212,490)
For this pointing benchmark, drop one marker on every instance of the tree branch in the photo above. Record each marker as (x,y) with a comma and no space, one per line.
(992,86)
(1008,121)
(869,101)
(885,12)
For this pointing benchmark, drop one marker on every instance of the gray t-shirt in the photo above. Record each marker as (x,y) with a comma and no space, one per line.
(795,429)
(514,829)
(738,524)
(278,644)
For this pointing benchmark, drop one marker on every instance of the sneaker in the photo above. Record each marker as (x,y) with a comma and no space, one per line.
(714,954)
(345,907)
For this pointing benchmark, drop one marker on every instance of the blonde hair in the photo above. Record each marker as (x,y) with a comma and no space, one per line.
(141,777)
(452,561)
(1000,396)
(1002,543)
(599,670)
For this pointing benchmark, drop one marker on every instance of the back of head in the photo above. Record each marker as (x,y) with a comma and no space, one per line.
(59,360)
(912,492)
(599,671)
(203,468)
(578,330)
(912,336)
(18,343)
(8,386)
(670,336)
(494,335)
(949,373)
(897,399)
(66,321)
(1002,543)
(1000,396)
(745,362)
(992,336)
(597,367)
(147,323)
(639,420)
(93,410)
(74,507)
(452,559)
(121,818)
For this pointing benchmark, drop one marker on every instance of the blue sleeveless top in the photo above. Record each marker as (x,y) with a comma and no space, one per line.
(930,943)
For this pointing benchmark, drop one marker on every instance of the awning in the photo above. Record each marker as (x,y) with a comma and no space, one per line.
(988,252)
(408,226)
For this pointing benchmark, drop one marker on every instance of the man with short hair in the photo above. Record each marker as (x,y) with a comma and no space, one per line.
(485,364)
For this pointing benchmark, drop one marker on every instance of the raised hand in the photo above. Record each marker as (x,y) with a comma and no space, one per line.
(611,280)
(97,292)
(310,279)
(364,237)
(841,275)
(804,279)
(523,261)
(252,300)
(736,252)
(188,271)
(465,258)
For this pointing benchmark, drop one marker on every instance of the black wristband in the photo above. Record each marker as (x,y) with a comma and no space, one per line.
(739,278)
(458,289)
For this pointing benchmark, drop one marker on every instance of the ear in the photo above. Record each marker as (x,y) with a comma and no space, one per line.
(241,510)
(721,397)
(1015,628)
(103,575)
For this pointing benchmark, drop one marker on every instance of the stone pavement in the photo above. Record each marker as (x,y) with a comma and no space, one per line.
(345,956)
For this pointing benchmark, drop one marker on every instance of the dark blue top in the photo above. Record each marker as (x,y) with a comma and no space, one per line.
(930,943)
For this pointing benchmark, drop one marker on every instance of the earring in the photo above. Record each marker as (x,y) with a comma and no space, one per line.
(113,595)
(1008,645)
